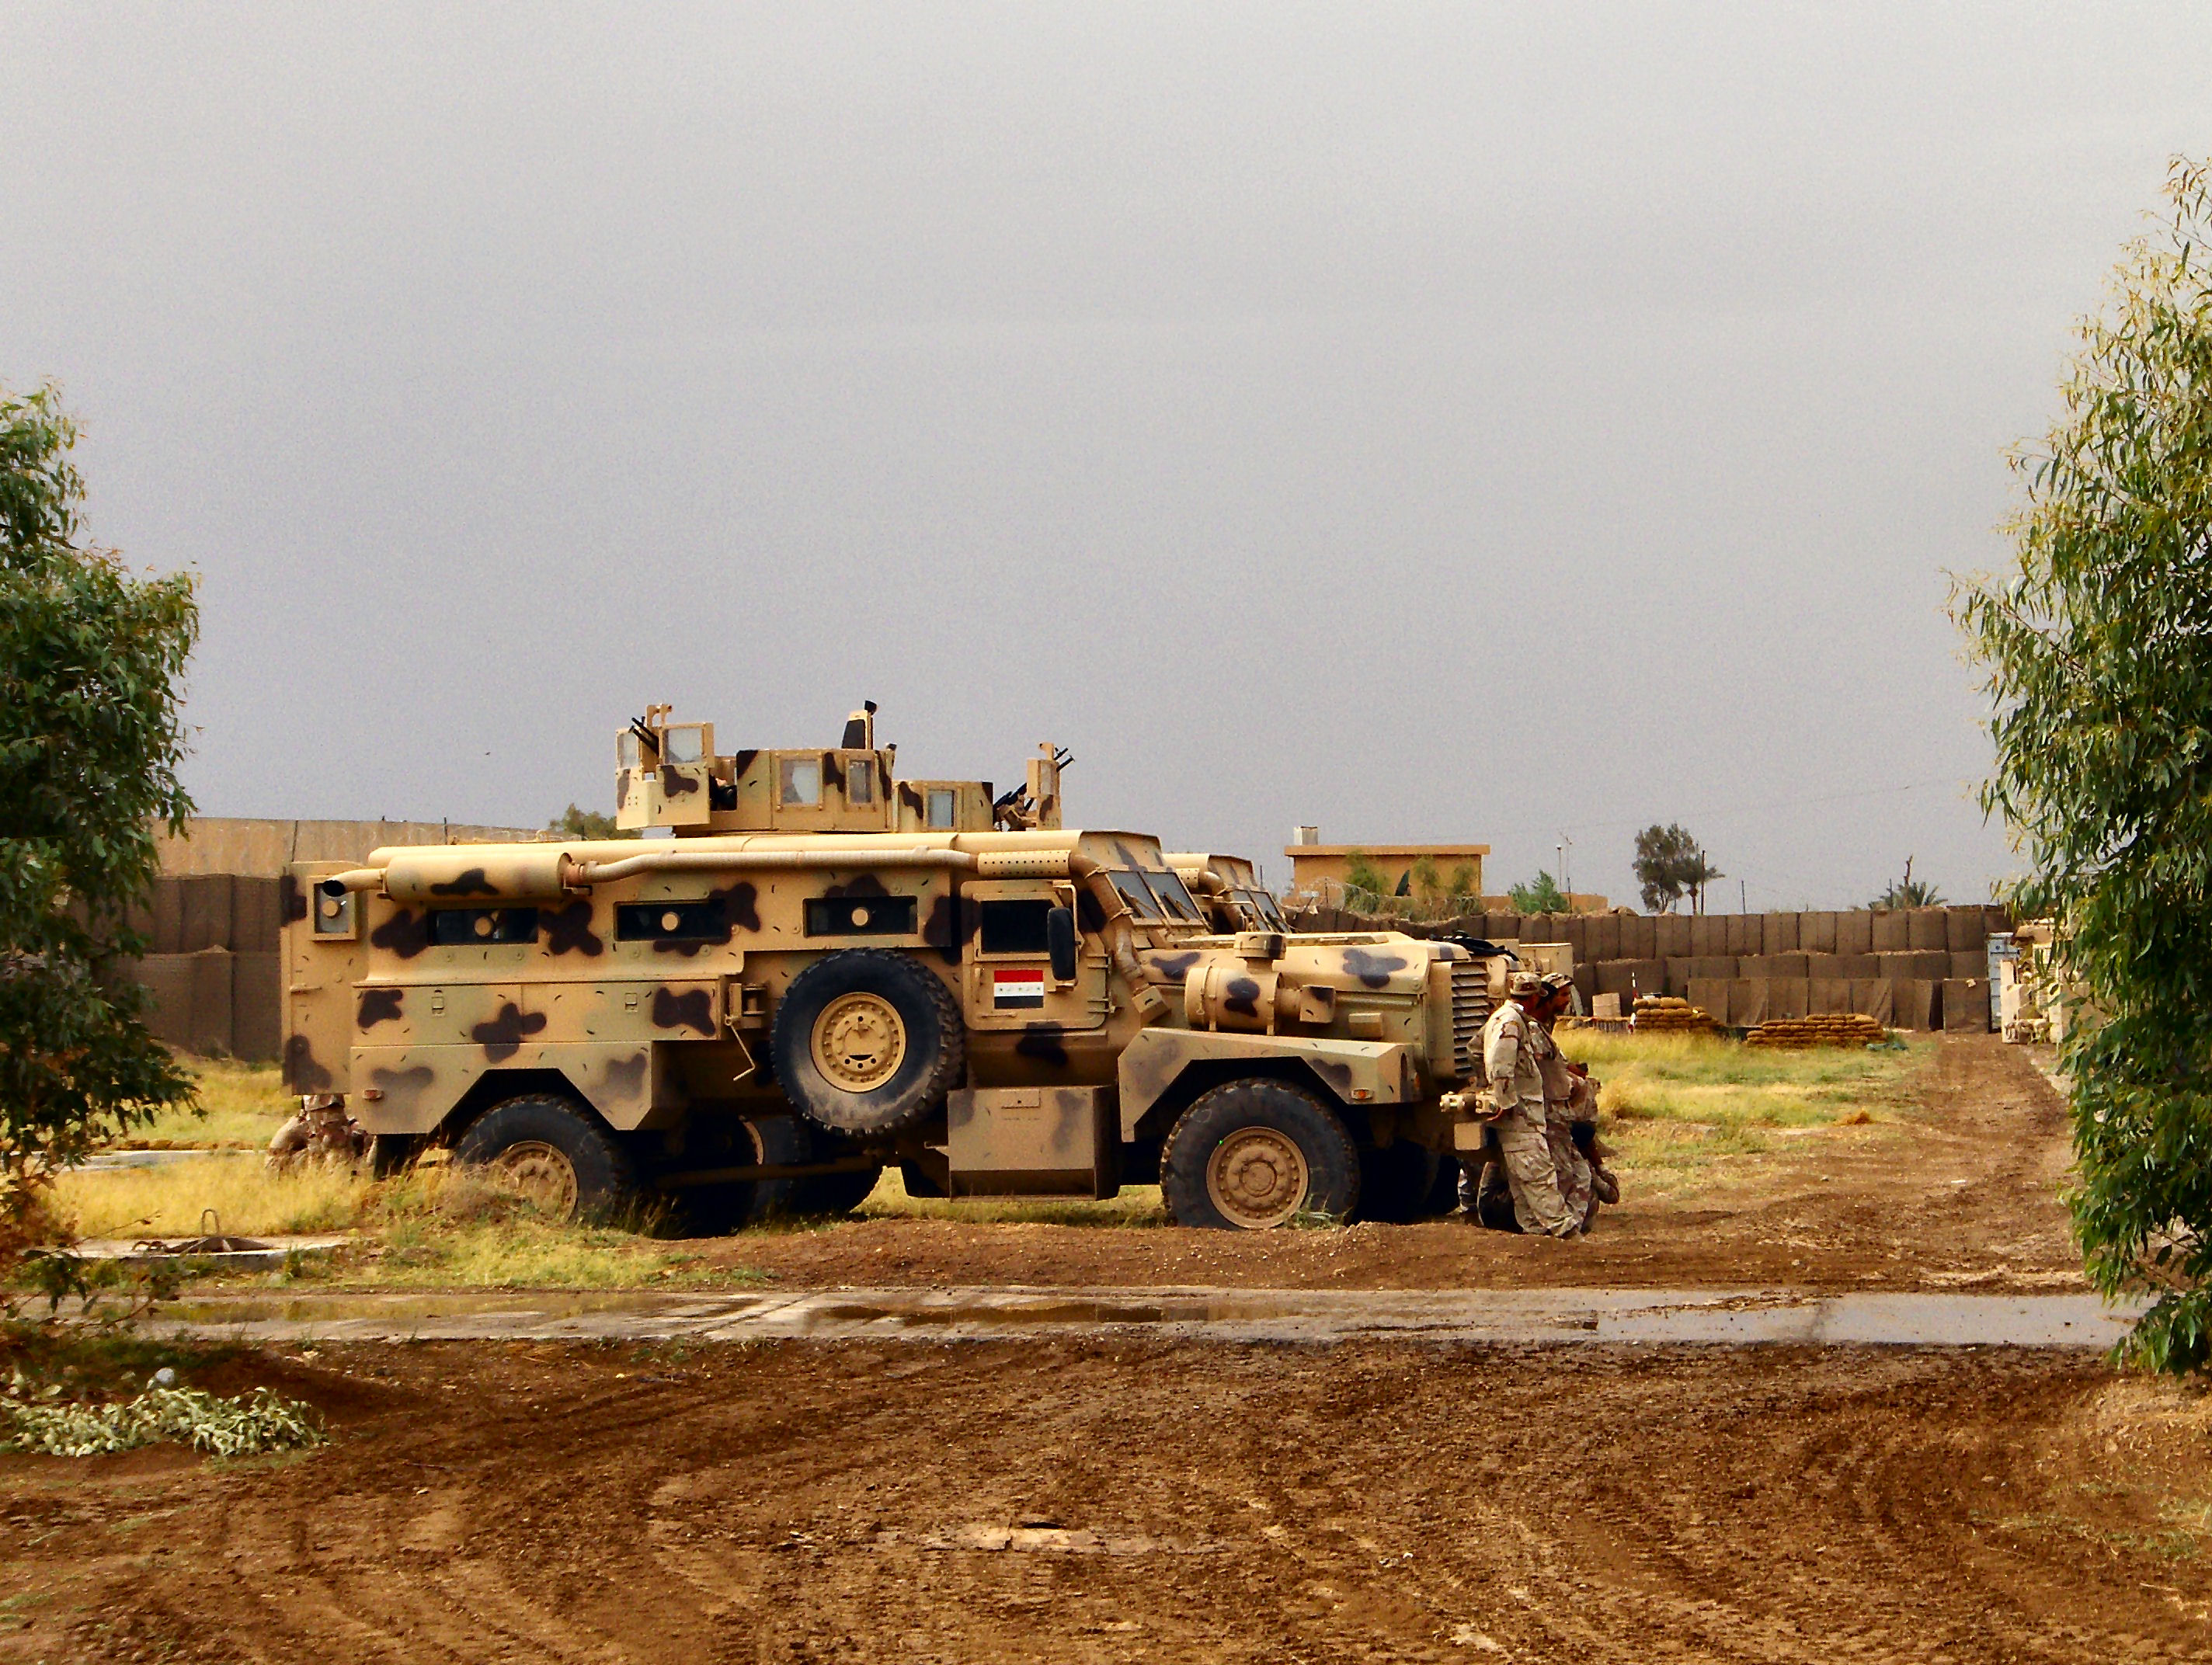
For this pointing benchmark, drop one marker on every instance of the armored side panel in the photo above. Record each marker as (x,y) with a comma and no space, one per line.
(1354,1071)
(322,955)
(1043,1141)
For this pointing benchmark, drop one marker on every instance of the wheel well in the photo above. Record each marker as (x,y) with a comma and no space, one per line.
(1203,1074)
(497,1086)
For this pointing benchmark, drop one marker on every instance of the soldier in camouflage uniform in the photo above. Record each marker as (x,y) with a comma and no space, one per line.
(1512,1046)
(321,1132)
(1566,1097)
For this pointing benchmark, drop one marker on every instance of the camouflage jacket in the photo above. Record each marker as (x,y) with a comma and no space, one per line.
(1510,1060)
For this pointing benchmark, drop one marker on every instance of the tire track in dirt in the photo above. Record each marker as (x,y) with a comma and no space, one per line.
(1362,1502)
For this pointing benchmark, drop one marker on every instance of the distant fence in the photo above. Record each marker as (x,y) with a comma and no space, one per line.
(1913,968)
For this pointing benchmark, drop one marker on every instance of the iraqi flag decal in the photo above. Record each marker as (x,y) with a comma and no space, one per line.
(1013,989)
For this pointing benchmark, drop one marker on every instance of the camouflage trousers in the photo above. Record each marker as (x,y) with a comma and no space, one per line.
(1576,1180)
(1539,1200)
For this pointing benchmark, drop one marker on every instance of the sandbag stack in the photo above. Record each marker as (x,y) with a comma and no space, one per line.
(1834,1029)
(1670,1014)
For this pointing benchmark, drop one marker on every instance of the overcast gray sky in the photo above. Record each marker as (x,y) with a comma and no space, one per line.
(1433,422)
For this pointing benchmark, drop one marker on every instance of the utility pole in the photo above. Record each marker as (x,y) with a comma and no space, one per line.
(1742,897)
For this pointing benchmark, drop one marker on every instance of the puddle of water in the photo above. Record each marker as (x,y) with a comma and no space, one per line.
(440,1305)
(1720,1317)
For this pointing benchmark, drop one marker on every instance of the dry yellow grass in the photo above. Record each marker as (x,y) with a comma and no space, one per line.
(1137,1204)
(168,1201)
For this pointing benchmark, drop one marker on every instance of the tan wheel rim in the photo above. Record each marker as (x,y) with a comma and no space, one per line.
(541,1173)
(858,1042)
(1258,1178)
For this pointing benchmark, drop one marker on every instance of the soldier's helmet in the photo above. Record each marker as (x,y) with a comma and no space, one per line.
(1557,982)
(1523,986)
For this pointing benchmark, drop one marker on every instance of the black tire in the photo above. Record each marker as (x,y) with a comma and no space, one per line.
(1251,1154)
(1396,1182)
(1444,1193)
(537,1137)
(929,1055)
(715,1210)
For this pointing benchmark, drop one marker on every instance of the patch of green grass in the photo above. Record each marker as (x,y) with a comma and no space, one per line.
(1678,1106)
(97,1361)
(1137,1204)
(432,1227)
(441,1227)
(2177,1544)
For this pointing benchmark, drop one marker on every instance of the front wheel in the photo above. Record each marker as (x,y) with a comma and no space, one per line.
(552,1153)
(1249,1155)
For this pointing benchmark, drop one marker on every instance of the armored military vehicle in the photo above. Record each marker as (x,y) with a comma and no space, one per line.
(806,968)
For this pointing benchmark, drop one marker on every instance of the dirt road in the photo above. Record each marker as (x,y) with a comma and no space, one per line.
(1962,1193)
(1072,1501)
(1071,1498)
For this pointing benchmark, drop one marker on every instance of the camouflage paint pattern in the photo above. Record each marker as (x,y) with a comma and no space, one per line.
(446,977)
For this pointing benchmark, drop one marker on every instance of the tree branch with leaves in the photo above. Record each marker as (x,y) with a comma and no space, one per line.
(92,660)
(2097,647)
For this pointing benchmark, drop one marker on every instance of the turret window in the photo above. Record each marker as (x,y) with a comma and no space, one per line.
(798,781)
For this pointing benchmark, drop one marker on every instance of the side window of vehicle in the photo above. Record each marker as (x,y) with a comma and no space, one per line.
(454,927)
(1012,927)
(798,781)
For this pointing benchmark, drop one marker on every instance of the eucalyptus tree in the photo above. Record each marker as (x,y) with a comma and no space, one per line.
(2097,647)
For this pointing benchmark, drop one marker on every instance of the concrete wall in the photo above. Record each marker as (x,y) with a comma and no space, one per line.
(221,844)
(1921,968)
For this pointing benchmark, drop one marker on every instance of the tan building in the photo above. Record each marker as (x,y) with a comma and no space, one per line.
(1321,872)
(1450,870)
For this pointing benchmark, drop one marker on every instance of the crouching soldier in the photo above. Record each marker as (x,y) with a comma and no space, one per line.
(1513,1048)
(321,1132)
(1569,1096)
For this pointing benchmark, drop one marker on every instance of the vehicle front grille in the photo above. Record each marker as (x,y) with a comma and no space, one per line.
(1470,984)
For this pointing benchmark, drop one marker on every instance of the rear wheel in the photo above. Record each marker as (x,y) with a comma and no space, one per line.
(832,1194)
(551,1152)
(1249,1155)
(730,1205)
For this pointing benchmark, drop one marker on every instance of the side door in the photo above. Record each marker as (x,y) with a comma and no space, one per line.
(1009,981)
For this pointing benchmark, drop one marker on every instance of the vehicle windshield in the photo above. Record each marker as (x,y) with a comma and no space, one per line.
(1263,907)
(1174,898)
(1133,890)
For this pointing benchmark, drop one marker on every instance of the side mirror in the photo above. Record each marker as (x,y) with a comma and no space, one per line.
(1060,943)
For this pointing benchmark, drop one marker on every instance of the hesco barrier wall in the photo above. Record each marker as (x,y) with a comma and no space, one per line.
(1916,967)
(212,963)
